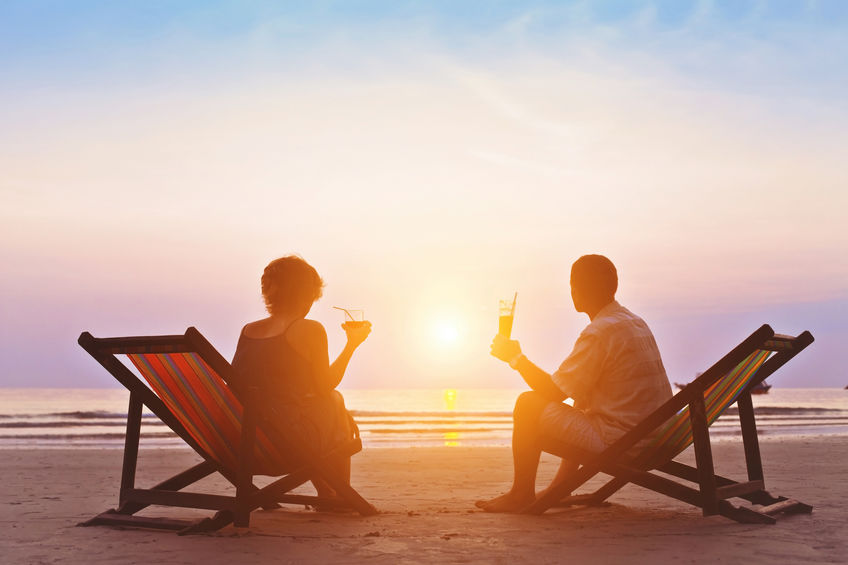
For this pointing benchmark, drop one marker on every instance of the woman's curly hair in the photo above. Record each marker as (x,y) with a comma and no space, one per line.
(289,283)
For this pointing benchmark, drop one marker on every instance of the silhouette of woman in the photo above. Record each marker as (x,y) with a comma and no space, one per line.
(284,356)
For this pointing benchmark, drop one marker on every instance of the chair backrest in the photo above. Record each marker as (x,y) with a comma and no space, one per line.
(676,435)
(205,406)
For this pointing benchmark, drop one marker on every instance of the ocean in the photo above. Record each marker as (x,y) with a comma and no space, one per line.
(96,418)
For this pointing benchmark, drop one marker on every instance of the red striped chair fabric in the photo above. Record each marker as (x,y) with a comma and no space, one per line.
(676,434)
(205,406)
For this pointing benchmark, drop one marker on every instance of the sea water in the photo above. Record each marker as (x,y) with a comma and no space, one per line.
(61,418)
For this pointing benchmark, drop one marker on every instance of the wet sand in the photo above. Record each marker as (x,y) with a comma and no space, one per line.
(426,497)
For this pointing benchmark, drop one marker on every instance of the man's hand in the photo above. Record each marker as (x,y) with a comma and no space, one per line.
(505,349)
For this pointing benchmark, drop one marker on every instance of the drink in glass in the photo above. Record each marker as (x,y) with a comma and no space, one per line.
(506,313)
(354,317)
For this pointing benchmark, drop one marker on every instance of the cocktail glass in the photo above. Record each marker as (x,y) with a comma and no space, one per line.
(354,317)
(506,313)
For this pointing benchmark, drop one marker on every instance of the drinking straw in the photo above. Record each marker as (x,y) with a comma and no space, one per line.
(348,314)
(514,298)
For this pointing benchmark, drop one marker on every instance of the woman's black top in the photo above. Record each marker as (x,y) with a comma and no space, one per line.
(282,379)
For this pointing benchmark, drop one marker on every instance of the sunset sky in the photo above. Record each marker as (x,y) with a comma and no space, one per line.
(428,159)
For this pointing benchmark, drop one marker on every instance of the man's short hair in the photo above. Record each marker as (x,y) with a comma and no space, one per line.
(595,274)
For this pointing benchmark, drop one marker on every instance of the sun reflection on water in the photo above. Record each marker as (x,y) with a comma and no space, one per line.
(451,438)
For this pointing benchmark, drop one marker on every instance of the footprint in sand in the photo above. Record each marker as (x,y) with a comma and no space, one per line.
(385,545)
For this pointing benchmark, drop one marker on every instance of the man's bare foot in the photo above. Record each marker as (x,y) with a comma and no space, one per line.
(506,503)
(546,490)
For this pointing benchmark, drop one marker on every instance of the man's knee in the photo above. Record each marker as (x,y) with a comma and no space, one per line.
(529,404)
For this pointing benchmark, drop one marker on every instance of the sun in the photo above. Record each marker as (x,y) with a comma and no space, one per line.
(446,333)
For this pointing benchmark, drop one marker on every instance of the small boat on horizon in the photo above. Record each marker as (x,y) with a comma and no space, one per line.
(761,388)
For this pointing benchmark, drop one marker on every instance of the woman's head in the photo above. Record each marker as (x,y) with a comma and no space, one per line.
(290,285)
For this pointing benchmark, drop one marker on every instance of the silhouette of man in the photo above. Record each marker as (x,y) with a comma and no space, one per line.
(614,374)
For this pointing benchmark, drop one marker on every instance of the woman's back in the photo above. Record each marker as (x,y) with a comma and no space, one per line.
(268,361)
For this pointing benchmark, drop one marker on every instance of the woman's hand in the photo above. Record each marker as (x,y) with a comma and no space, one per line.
(356,332)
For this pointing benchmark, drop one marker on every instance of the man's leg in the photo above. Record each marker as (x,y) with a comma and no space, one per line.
(526,451)
(569,425)
(566,468)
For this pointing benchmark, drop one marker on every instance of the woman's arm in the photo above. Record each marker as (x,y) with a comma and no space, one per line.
(309,338)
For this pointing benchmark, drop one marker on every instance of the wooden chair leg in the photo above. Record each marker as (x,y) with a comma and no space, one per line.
(244,479)
(595,498)
(744,515)
(349,494)
(177,482)
(703,456)
(607,490)
(749,437)
(131,446)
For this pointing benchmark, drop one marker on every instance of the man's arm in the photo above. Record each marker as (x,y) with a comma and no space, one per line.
(510,351)
(538,380)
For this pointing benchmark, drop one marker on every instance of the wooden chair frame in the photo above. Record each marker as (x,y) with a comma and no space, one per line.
(712,491)
(230,509)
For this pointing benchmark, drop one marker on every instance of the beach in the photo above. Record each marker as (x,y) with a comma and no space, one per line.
(426,500)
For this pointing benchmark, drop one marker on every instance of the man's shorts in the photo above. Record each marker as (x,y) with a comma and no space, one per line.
(570,425)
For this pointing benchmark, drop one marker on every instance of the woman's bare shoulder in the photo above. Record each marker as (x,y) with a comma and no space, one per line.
(307,328)
(308,338)
(263,328)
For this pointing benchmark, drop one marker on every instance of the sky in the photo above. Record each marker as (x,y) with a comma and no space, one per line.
(428,158)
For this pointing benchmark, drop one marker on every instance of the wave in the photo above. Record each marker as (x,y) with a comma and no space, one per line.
(119,436)
(104,415)
(764,418)
(66,424)
(434,430)
(423,421)
(77,415)
(433,414)
(765,410)
(420,416)
(156,422)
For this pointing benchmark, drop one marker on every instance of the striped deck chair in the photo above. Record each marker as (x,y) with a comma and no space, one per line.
(185,384)
(682,421)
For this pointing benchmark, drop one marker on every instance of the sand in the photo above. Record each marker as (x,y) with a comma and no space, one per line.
(426,498)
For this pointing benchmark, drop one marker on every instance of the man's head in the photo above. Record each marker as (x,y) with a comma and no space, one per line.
(594,281)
